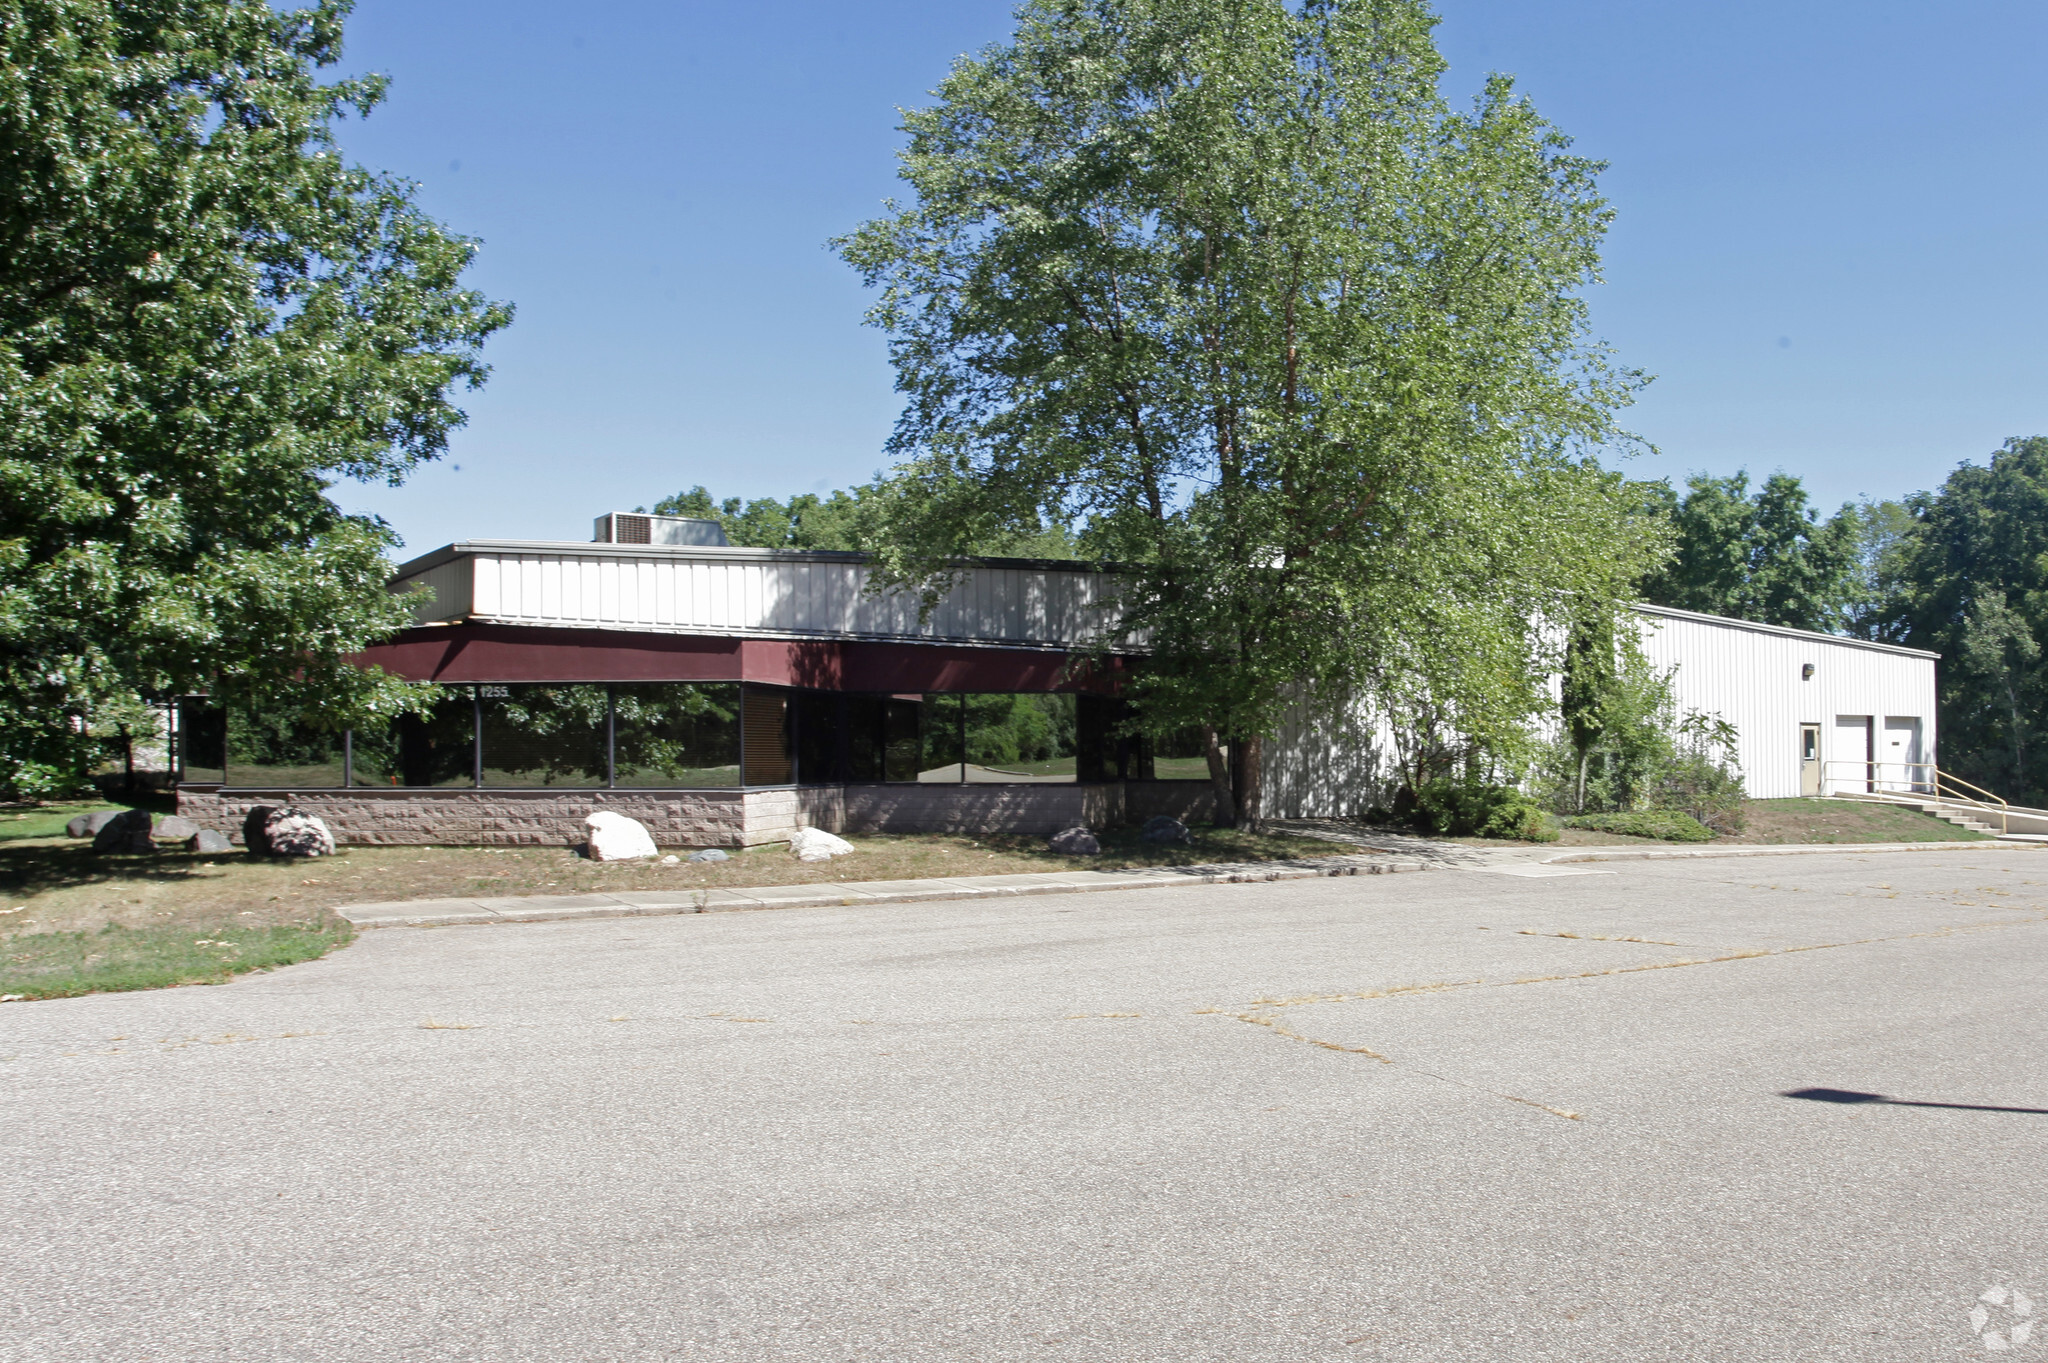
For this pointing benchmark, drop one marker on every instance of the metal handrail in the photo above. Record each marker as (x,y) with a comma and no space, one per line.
(1933,787)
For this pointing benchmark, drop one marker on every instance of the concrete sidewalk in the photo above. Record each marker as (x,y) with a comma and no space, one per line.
(419,913)
(1391,854)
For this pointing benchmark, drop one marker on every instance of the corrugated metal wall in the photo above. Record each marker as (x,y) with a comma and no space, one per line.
(1751,678)
(1333,766)
(728,594)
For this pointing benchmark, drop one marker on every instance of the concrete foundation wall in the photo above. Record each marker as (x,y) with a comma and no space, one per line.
(734,818)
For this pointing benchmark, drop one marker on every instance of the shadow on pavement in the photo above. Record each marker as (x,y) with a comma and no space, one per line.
(1851,1096)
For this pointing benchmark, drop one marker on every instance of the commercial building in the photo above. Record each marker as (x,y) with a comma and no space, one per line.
(725,696)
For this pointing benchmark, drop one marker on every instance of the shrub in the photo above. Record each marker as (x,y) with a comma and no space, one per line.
(1709,791)
(1469,809)
(1666,825)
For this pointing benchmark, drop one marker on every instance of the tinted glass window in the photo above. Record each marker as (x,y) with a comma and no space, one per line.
(539,734)
(684,734)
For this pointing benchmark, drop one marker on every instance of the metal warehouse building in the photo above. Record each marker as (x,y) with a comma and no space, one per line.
(726,696)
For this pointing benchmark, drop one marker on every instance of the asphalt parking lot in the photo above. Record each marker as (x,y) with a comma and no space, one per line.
(1447,1115)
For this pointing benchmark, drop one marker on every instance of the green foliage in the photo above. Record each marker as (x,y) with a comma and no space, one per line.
(1475,810)
(206,316)
(1006,728)
(1666,825)
(1229,286)
(1762,556)
(56,965)
(1882,536)
(1976,590)
(848,521)
(1646,755)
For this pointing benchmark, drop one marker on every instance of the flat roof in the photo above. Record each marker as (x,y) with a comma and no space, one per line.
(710,552)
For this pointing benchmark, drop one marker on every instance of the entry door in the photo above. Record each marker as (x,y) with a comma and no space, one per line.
(1852,754)
(1809,759)
(1899,759)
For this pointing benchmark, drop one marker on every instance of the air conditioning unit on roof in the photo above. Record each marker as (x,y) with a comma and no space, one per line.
(638,527)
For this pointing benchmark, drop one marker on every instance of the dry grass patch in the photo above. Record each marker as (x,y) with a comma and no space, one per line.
(59,885)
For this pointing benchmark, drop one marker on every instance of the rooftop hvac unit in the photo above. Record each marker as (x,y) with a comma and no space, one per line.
(637,527)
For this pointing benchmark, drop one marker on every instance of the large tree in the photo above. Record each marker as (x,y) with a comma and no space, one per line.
(1229,284)
(207,315)
(1762,556)
(1974,586)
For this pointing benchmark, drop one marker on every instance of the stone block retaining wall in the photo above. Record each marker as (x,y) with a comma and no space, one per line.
(373,816)
(490,818)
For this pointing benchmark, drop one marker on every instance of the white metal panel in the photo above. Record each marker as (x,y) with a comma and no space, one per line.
(730,592)
(1754,678)
(452,585)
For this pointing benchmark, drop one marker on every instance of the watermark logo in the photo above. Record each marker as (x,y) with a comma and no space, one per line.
(2003,1318)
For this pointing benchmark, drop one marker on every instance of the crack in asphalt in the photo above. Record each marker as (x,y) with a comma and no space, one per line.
(1259,1012)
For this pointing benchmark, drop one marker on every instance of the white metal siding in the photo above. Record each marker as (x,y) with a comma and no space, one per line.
(1751,678)
(452,587)
(675,592)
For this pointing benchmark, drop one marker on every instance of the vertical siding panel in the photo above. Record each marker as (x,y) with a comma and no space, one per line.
(550,594)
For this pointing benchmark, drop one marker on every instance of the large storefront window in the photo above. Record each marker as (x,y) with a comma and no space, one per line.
(434,749)
(1180,756)
(676,734)
(764,724)
(686,735)
(1020,736)
(540,735)
(276,750)
(202,740)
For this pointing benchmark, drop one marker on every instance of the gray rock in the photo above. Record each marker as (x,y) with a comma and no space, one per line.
(127,831)
(295,833)
(1076,842)
(710,854)
(1164,828)
(176,828)
(86,825)
(206,840)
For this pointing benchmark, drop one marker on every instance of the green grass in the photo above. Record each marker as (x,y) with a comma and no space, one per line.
(1846,821)
(57,965)
(47,821)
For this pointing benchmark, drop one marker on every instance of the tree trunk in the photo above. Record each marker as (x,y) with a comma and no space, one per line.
(1249,813)
(1585,756)
(1219,778)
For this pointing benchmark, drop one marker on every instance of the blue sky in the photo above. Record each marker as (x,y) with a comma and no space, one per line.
(1832,218)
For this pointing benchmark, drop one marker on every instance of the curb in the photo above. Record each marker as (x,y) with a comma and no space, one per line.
(1784,850)
(434,913)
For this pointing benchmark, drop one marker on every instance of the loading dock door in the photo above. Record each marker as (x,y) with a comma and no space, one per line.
(1850,761)
(1899,759)
(1809,759)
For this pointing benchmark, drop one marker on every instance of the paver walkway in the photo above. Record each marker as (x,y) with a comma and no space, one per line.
(1385,854)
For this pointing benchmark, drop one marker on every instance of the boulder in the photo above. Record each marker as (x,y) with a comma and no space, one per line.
(1164,828)
(176,828)
(127,831)
(710,854)
(292,832)
(206,840)
(253,825)
(87,825)
(1076,842)
(614,837)
(815,844)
